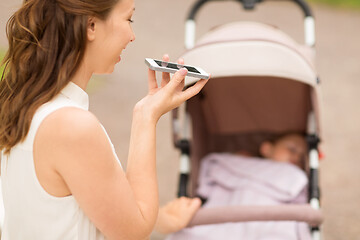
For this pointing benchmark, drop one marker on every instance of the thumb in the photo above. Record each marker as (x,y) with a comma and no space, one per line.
(178,77)
(192,209)
(195,204)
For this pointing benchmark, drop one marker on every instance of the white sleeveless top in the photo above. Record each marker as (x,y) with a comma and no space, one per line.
(30,212)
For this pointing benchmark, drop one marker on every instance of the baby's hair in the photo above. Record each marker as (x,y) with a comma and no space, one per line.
(276,138)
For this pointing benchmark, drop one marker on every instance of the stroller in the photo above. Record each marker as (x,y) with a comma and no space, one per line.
(263,84)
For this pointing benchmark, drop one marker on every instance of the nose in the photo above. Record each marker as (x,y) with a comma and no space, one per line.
(132,37)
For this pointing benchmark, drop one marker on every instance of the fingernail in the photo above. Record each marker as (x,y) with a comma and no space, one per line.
(197,201)
(183,71)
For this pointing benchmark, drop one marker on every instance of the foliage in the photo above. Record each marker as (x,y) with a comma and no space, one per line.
(2,55)
(340,3)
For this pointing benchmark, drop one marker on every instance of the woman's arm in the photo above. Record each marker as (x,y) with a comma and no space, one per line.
(143,140)
(122,206)
(72,145)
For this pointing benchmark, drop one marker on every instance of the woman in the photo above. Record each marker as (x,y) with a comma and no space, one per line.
(60,176)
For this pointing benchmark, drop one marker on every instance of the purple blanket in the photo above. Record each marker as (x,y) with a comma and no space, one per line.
(227,179)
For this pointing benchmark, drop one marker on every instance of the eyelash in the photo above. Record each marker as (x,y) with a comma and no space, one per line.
(131,21)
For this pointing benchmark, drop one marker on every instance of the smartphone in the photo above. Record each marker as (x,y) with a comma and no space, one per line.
(170,67)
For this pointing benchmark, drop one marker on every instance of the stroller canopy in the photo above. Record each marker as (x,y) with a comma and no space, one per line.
(253,49)
(262,80)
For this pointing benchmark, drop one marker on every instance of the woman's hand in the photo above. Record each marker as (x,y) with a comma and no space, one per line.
(169,94)
(176,215)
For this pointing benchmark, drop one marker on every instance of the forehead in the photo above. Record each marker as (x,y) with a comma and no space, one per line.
(294,139)
(124,7)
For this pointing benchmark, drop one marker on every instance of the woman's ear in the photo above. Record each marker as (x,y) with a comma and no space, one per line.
(266,149)
(91,28)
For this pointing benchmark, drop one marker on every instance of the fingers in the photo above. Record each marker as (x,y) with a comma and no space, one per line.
(181,61)
(190,207)
(195,203)
(176,85)
(152,80)
(177,214)
(177,79)
(192,91)
(191,204)
(165,76)
(181,86)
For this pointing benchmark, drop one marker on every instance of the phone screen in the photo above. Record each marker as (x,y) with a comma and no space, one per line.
(175,66)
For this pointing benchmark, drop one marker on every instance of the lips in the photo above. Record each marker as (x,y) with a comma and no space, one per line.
(119,59)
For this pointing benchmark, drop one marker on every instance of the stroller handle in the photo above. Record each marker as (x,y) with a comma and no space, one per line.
(241,213)
(190,26)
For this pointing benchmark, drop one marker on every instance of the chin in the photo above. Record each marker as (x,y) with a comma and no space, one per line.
(106,71)
(111,69)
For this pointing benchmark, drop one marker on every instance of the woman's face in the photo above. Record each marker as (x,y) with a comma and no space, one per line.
(108,38)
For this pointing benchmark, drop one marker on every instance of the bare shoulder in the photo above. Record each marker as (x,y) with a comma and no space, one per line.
(70,132)
(72,138)
(69,123)
(73,155)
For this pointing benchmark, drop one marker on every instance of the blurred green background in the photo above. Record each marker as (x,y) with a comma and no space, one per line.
(2,55)
(340,3)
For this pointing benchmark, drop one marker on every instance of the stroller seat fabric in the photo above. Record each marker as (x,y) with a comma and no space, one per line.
(228,180)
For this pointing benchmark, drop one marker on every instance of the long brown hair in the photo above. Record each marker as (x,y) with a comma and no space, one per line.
(47,41)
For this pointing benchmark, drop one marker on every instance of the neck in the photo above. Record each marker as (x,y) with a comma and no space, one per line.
(82,76)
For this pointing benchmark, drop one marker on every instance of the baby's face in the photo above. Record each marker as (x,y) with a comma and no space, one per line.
(291,149)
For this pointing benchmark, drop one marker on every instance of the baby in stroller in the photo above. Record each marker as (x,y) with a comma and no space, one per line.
(263,83)
(289,147)
(242,179)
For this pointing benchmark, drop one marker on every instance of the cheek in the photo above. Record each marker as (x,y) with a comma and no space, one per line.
(119,31)
(104,59)
(112,38)
(282,156)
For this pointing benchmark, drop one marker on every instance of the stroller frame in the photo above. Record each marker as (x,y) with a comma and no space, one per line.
(182,139)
